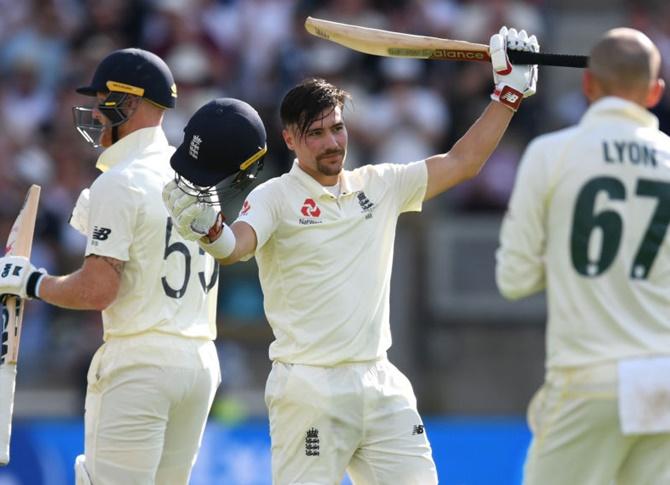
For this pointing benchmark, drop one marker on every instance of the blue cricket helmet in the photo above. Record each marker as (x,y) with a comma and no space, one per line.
(223,148)
(123,73)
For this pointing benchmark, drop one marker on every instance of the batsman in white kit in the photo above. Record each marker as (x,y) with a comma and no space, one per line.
(323,239)
(151,384)
(588,223)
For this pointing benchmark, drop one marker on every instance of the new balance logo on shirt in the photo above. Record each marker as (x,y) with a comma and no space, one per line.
(101,233)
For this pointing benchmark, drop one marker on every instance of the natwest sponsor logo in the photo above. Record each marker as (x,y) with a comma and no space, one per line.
(246,207)
(310,209)
(311,213)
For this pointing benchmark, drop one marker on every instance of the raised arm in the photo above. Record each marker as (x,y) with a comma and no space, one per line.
(512,83)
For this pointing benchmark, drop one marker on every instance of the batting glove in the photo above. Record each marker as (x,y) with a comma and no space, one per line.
(512,83)
(19,277)
(197,220)
(192,219)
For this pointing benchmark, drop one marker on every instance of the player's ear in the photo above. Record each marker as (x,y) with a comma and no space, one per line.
(655,93)
(589,86)
(288,138)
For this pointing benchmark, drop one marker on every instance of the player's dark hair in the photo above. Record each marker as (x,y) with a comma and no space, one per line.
(310,101)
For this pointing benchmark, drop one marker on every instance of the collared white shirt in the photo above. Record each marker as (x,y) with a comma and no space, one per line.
(325,261)
(588,221)
(168,285)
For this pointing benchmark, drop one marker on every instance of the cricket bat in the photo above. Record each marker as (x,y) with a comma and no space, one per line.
(396,44)
(19,243)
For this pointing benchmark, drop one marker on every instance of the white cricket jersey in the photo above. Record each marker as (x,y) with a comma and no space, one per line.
(168,284)
(589,219)
(325,261)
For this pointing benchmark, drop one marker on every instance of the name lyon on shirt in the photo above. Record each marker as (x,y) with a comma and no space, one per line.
(630,152)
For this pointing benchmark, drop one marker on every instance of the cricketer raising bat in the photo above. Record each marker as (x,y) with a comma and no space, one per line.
(395,44)
(19,243)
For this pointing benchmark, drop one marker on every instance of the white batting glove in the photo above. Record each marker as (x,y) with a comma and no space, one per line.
(197,220)
(192,218)
(19,277)
(512,83)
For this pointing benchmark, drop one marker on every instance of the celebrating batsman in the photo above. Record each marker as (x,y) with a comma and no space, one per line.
(588,221)
(323,240)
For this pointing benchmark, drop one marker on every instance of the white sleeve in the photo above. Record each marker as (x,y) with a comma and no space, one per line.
(260,211)
(112,217)
(409,182)
(79,216)
(520,268)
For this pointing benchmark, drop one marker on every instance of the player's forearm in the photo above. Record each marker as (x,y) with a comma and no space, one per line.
(75,291)
(93,287)
(469,154)
(475,147)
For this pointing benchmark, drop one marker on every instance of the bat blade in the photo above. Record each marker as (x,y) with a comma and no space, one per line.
(386,43)
(19,243)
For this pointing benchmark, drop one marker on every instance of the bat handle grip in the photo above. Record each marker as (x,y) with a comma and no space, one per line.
(564,60)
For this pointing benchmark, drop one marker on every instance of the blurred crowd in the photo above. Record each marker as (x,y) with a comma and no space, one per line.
(255,50)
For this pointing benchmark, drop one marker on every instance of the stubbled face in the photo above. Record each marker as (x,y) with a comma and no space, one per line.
(129,106)
(321,151)
(106,133)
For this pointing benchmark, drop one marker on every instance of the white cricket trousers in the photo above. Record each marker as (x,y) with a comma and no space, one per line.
(147,403)
(361,418)
(577,438)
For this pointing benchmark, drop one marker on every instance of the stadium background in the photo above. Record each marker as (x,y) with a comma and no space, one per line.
(473,358)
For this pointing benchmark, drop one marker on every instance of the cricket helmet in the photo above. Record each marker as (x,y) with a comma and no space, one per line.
(222,151)
(122,73)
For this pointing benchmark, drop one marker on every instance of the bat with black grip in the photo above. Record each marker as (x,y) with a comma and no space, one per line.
(396,44)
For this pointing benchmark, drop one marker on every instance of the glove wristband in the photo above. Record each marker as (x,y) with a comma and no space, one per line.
(507,95)
(33,284)
(224,244)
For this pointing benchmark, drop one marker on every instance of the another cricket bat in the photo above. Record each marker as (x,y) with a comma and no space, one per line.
(19,243)
(397,44)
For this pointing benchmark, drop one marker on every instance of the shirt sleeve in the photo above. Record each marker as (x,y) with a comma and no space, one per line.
(112,217)
(260,211)
(409,183)
(520,257)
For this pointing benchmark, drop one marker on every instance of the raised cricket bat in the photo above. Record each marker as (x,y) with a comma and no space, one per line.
(19,243)
(396,44)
